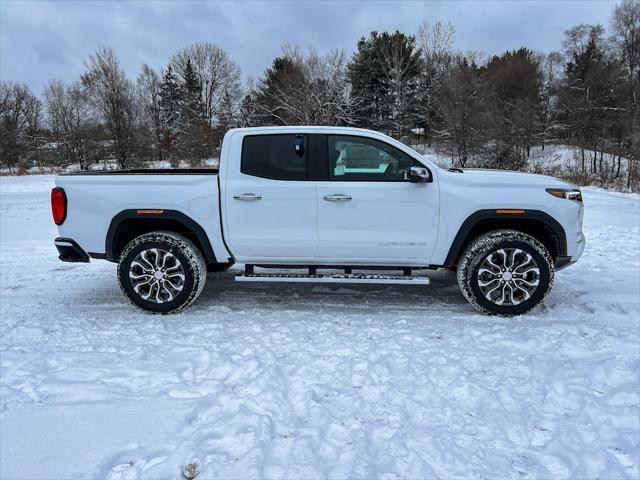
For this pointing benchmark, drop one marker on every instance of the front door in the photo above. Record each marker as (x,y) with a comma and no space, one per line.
(368,211)
(272,205)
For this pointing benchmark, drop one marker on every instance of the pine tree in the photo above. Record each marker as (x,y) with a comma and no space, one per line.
(384,74)
(368,81)
(170,113)
(196,141)
(190,93)
(228,112)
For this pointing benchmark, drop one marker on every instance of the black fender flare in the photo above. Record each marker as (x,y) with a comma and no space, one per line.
(490,214)
(174,215)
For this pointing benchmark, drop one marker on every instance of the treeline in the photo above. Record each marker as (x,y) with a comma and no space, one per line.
(478,110)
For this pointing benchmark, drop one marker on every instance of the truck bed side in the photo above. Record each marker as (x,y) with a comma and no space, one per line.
(94,200)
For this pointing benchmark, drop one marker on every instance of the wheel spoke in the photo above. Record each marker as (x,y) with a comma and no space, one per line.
(137,286)
(533,283)
(512,296)
(485,284)
(133,276)
(502,299)
(167,256)
(176,275)
(528,260)
(504,258)
(488,294)
(526,293)
(489,271)
(167,290)
(142,267)
(143,257)
(532,269)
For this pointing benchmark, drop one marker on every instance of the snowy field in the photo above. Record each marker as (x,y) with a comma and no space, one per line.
(261,381)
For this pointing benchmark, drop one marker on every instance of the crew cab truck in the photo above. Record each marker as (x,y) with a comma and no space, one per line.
(336,202)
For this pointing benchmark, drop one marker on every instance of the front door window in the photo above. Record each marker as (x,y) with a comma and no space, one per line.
(360,159)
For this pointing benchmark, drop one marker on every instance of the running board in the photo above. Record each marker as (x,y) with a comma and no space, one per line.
(332,278)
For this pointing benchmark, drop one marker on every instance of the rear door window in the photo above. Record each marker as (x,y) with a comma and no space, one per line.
(277,157)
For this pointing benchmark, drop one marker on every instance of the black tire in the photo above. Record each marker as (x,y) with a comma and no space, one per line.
(220,267)
(483,249)
(189,260)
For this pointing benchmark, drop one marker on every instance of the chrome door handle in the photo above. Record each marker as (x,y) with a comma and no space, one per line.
(338,197)
(248,197)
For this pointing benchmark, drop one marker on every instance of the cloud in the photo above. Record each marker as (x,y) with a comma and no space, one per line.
(40,40)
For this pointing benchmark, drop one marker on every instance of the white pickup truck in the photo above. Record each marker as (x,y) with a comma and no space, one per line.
(321,204)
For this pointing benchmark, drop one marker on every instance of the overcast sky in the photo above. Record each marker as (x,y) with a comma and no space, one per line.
(40,40)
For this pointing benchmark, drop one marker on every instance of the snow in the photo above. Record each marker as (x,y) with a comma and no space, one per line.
(555,160)
(304,381)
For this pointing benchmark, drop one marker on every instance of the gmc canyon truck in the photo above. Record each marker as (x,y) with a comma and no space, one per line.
(322,204)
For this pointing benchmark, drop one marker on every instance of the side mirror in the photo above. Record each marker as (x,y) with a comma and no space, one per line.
(420,175)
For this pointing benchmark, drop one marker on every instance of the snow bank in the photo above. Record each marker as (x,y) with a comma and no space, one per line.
(261,381)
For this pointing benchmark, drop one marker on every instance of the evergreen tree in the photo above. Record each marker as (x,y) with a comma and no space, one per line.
(170,113)
(384,74)
(196,142)
(368,82)
(191,101)
(514,87)
(401,65)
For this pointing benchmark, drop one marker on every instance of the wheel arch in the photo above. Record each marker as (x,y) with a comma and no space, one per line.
(130,223)
(536,223)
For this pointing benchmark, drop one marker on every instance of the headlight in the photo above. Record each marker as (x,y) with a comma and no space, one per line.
(568,193)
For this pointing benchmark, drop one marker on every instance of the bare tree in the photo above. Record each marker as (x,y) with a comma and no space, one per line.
(436,43)
(461,101)
(20,118)
(625,36)
(551,67)
(303,89)
(67,109)
(401,67)
(112,94)
(218,74)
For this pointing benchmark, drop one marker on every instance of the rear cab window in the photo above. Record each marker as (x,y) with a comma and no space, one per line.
(276,157)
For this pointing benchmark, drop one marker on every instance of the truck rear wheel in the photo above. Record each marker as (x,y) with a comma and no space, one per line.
(161,272)
(505,272)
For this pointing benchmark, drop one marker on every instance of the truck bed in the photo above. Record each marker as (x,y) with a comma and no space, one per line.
(95,198)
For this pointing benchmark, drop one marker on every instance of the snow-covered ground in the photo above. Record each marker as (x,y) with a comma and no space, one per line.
(261,381)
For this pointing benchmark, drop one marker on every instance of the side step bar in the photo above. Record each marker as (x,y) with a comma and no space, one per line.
(332,278)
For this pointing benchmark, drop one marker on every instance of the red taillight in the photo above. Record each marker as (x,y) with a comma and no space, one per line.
(58,205)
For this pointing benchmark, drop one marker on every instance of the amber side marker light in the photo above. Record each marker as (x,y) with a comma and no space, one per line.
(150,212)
(510,211)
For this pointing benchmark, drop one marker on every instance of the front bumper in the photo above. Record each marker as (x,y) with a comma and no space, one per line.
(70,251)
(574,250)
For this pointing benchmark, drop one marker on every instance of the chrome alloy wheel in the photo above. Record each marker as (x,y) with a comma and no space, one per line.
(508,276)
(156,275)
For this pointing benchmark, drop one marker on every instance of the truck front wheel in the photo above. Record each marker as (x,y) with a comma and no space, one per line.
(505,272)
(161,272)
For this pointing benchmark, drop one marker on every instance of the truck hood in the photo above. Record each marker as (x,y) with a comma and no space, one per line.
(486,177)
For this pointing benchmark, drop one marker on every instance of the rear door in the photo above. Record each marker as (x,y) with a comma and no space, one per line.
(271,202)
(368,211)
